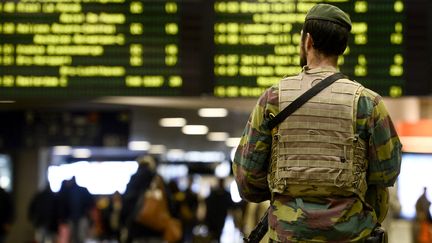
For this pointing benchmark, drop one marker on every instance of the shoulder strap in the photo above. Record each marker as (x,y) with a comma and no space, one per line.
(303,98)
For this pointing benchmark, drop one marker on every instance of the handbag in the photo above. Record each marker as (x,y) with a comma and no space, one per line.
(152,212)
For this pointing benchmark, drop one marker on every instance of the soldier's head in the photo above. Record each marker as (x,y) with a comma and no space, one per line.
(326,30)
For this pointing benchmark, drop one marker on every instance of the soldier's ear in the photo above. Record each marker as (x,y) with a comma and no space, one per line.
(309,43)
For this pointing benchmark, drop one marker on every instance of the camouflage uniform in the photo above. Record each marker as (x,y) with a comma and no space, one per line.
(317,219)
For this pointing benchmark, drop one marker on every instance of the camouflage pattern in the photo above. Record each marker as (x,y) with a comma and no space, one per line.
(331,219)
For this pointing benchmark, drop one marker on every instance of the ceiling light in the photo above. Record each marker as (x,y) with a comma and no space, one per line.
(7,101)
(217,136)
(213,112)
(172,122)
(204,156)
(62,150)
(232,142)
(173,170)
(157,149)
(195,129)
(139,145)
(223,170)
(81,153)
(175,155)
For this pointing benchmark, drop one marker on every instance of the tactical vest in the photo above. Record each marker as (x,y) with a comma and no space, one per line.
(315,151)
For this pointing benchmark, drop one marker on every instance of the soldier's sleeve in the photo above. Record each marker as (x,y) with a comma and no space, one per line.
(384,147)
(378,198)
(252,155)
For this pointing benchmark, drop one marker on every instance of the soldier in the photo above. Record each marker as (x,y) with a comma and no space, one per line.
(325,168)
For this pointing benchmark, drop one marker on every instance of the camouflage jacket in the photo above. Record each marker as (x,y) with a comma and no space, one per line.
(336,219)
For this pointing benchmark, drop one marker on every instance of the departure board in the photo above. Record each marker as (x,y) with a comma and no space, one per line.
(221,48)
(257,43)
(90,48)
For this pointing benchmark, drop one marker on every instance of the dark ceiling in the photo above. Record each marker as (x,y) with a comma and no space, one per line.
(146,112)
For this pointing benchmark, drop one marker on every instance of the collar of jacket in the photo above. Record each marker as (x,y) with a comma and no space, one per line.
(308,70)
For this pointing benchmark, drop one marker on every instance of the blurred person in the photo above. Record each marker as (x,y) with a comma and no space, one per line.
(99,227)
(238,215)
(43,213)
(217,205)
(177,198)
(252,215)
(6,214)
(393,210)
(188,211)
(115,208)
(422,207)
(138,184)
(75,204)
(109,212)
(325,168)
(423,219)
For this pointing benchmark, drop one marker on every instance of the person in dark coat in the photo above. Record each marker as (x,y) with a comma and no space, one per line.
(217,205)
(137,185)
(43,214)
(188,212)
(75,205)
(6,213)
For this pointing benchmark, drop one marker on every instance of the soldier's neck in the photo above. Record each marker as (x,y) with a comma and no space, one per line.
(318,60)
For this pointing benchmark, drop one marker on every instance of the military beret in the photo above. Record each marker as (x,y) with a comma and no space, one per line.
(330,13)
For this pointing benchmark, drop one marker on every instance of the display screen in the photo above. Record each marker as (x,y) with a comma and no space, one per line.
(257,43)
(413,178)
(91,48)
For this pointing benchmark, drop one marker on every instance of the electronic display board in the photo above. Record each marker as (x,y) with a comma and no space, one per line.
(222,48)
(90,48)
(257,43)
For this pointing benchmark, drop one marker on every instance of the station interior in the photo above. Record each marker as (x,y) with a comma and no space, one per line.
(87,87)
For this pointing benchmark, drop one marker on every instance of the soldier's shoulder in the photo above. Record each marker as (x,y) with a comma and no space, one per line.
(293,77)
(370,93)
